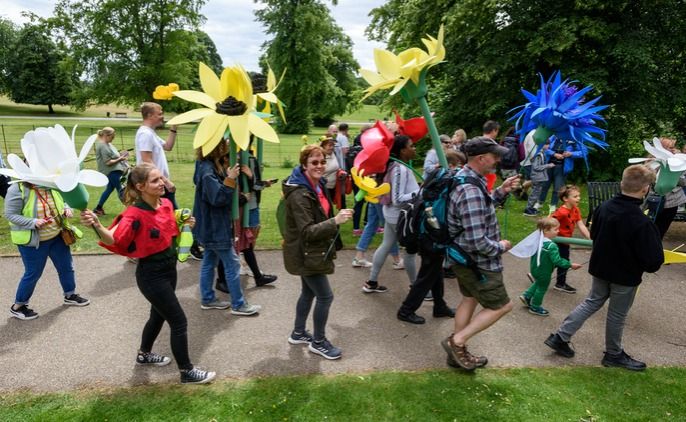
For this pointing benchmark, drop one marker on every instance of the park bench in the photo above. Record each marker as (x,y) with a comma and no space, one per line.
(599,192)
(120,115)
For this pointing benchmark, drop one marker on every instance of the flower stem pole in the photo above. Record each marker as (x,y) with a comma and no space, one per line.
(435,139)
(260,152)
(232,162)
(245,159)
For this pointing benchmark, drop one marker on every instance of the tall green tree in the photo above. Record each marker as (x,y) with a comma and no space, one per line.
(631,51)
(8,35)
(320,80)
(38,72)
(127,47)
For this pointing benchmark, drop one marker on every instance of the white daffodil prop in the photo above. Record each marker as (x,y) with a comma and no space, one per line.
(51,160)
(670,166)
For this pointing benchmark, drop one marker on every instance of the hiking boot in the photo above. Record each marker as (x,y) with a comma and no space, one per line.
(565,288)
(526,300)
(412,318)
(152,358)
(400,265)
(246,309)
(23,312)
(76,300)
(444,313)
(196,376)
(459,353)
(221,286)
(374,287)
(361,263)
(325,349)
(622,360)
(265,279)
(561,347)
(216,304)
(538,310)
(300,338)
(481,361)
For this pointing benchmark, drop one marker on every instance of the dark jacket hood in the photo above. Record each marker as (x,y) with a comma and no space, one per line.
(298,179)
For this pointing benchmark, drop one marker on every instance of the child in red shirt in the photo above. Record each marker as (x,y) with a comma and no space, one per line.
(569,217)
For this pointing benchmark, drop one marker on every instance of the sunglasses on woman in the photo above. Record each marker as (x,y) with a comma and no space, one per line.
(318,162)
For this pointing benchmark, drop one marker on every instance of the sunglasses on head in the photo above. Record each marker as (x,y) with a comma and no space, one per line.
(318,162)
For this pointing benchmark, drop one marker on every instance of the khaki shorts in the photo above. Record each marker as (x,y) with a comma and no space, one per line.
(490,294)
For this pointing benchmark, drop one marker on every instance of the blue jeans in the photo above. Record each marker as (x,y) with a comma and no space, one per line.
(556,177)
(254,217)
(374,220)
(34,263)
(112,183)
(232,268)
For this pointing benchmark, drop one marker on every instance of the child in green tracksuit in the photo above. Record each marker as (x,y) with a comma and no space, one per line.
(543,270)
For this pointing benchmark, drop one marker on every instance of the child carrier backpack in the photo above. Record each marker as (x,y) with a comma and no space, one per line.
(510,159)
(423,221)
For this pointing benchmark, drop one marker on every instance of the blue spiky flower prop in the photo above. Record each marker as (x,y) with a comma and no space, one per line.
(559,108)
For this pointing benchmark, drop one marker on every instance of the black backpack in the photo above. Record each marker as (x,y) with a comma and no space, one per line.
(510,159)
(351,154)
(418,228)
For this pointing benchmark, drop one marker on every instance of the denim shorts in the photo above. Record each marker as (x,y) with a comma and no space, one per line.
(490,294)
(254,217)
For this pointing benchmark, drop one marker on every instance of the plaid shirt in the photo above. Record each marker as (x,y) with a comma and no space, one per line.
(481,235)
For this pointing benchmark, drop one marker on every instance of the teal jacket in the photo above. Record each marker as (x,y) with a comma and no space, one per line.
(550,258)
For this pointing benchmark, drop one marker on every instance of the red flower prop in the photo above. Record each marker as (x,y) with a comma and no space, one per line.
(415,127)
(376,148)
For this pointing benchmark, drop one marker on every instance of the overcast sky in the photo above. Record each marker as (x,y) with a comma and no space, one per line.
(232,27)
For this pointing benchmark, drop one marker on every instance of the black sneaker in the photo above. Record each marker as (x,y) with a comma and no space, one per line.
(196,376)
(265,279)
(565,288)
(561,347)
(622,360)
(151,358)
(76,300)
(325,349)
(300,338)
(23,313)
(412,318)
(374,287)
(196,252)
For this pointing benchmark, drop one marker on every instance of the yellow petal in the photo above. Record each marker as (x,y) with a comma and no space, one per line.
(197,97)
(207,130)
(240,130)
(371,199)
(280,107)
(280,80)
(261,129)
(398,86)
(271,79)
(268,96)
(387,63)
(189,116)
(173,87)
(236,83)
(210,82)
(371,77)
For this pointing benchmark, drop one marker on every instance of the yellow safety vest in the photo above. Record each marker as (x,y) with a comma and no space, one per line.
(185,239)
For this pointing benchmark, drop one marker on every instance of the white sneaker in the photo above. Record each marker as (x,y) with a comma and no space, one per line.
(246,309)
(537,206)
(398,265)
(361,263)
(215,304)
(246,271)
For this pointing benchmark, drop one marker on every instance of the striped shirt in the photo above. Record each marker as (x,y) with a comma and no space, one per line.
(46,208)
(469,209)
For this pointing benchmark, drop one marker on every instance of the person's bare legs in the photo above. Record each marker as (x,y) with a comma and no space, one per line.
(466,328)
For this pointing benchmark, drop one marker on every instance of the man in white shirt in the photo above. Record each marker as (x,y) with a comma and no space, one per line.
(342,143)
(150,147)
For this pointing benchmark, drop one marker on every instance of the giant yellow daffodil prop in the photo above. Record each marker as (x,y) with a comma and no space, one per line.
(269,97)
(165,92)
(368,188)
(228,102)
(406,73)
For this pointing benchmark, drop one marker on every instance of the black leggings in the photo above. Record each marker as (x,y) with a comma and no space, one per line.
(157,282)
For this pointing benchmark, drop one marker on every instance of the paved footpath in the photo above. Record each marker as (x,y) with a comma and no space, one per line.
(95,346)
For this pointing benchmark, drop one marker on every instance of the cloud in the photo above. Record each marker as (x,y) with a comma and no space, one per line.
(231,25)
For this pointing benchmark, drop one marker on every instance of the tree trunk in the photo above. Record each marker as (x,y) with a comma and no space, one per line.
(50,110)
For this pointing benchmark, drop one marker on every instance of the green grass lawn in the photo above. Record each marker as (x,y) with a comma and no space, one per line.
(552,394)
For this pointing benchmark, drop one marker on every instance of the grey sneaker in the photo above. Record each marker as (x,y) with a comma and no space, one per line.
(76,300)
(325,349)
(246,309)
(216,304)
(300,338)
(196,376)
